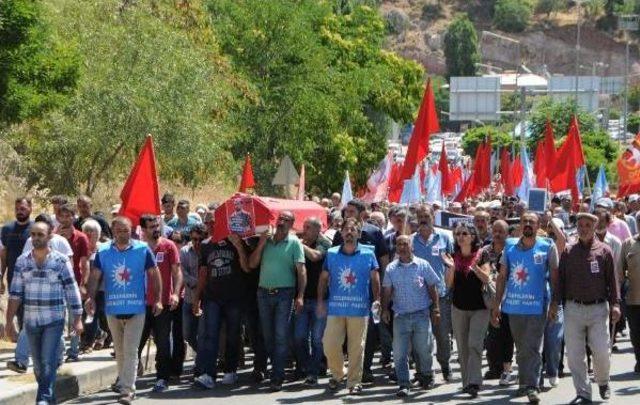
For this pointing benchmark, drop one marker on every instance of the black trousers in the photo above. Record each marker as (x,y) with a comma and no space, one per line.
(499,345)
(633,319)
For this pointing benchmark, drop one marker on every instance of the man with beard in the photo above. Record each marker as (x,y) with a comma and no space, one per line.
(589,286)
(13,236)
(411,283)
(481,222)
(44,283)
(168,362)
(430,244)
(525,268)
(125,264)
(84,205)
(80,247)
(499,342)
(350,271)
(281,259)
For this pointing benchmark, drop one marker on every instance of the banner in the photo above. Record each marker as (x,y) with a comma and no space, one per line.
(241,216)
(446,219)
(629,169)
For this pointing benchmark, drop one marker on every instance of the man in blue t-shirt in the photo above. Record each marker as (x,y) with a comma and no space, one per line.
(125,264)
(349,270)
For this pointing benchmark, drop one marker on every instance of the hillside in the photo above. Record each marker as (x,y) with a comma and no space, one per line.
(420,26)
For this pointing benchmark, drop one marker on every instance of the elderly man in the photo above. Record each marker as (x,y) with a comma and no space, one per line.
(351,274)
(526,266)
(481,220)
(410,283)
(309,327)
(280,258)
(588,284)
(44,282)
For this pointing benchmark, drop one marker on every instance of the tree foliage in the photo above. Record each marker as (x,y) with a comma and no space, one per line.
(325,89)
(38,71)
(500,137)
(461,47)
(512,15)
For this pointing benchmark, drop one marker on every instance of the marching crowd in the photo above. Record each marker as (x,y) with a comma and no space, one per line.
(547,286)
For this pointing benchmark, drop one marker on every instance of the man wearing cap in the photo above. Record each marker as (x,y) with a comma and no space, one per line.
(616,227)
(588,284)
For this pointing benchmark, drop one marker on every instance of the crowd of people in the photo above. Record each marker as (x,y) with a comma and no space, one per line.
(383,277)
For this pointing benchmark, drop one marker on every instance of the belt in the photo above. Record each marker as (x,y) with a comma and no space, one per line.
(274,291)
(593,302)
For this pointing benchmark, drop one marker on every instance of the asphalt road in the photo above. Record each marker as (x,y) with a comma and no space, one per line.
(625,388)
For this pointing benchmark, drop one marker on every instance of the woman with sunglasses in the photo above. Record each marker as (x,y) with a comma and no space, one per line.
(465,276)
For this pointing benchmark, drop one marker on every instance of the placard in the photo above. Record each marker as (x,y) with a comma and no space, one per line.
(240,216)
(537,200)
(446,219)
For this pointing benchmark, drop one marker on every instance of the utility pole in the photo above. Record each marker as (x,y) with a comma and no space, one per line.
(578,3)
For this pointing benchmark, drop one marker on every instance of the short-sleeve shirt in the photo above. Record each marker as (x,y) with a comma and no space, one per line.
(58,243)
(14,236)
(80,247)
(370,235)
(349,280)
(431,250)
(224,274)
(279,260)
(314,269)
(177,226)
(104,226)
(410,283)
(167,255)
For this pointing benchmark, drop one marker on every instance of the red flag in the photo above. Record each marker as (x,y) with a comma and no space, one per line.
(425,125)
(506,172)
(629,169)
(568,159)
(447,185)
(247,182)
(140,193)
(395,183)
(482,168)
(517,170)
(456,175)
(466,191)
(540,166)
(300,184)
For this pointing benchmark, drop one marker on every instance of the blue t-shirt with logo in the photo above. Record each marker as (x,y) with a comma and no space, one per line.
(349,280)
(431,250)
(124,274)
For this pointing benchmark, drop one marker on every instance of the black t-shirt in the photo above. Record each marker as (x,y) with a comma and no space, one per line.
(14,236)
(106,230)
(467,287)
(313,271)
(224,278)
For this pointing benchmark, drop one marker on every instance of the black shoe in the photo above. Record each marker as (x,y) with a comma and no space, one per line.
(580,400)
(334,384)
(275,386)
(473,390)
(489,375)
(605,391)
(16,367)
(392,376)
(258,376)
(71,359)
(532,396)
(446,374)
(403,392)
(427,382)
(636,369)
(367,377)
(615,349)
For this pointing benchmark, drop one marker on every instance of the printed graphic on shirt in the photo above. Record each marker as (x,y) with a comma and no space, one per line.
(122,276)
(520,275)
(348,279)
(594,267)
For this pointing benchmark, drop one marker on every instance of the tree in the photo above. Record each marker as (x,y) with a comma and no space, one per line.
(325,87)
(141,75)
(512,15)
(37,71)
(461,47)
(550,6)
(500,137)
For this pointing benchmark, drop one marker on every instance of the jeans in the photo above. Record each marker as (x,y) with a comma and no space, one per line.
(275,318)
(553,334)
(308,331)
(190,326)
(209,337)
(23,351)
(74,343)
(633,319)
(44,342)
(528,335)
(442,332)
(251,318)
(412,331)
(499,345)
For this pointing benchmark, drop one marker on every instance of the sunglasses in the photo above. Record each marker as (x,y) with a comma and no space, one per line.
(462,234)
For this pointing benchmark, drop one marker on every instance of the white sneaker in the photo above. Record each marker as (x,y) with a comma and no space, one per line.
(205,381)
(553,381)
(229,379)
(505,378)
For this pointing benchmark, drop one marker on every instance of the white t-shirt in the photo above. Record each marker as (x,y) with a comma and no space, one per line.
(58,243)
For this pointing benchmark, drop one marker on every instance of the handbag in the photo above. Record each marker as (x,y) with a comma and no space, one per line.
(489,293)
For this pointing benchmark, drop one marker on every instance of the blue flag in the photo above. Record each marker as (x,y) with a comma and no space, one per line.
(600,187)
(527,176)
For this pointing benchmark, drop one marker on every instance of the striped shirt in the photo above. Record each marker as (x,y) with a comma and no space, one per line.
(45,289)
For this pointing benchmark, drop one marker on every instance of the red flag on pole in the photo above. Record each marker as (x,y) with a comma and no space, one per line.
(447,185)
(425,125)
(568,159)
(140,193)
(247,181)
(301,184)
(482,168)
(517,171)
(506,174)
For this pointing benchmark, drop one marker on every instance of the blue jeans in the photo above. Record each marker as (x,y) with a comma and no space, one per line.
(412,331)
(213,312)
(309,329)
(553,334)
(23,352)
(44,342)
(190,326)
(275,316)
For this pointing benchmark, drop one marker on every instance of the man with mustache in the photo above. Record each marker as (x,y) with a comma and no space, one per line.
(430,244)
(589,286)
(281,260)
(525,268)
(350,272)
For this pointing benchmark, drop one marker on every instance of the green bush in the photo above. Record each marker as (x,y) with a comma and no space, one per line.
(512,15)
(461,47)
